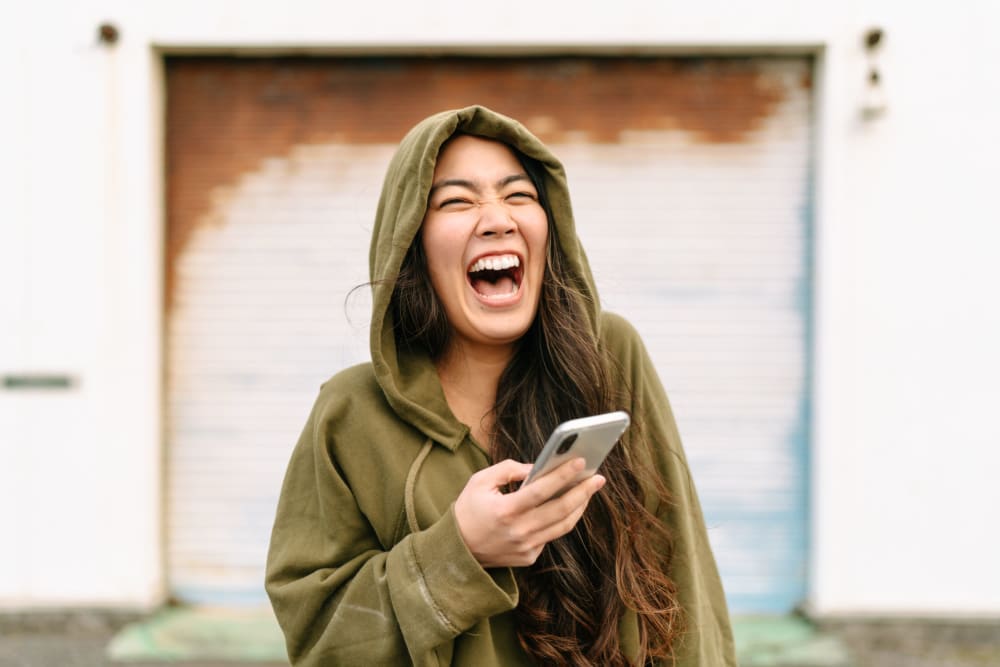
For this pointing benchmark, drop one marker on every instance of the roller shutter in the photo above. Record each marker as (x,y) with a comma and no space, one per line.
(691,184)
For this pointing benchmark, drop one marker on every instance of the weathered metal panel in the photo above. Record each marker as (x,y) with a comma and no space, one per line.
(691,186)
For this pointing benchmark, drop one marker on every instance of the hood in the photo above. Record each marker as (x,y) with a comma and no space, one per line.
(408,380)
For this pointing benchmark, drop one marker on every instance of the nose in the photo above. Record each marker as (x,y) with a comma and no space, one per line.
(494,220)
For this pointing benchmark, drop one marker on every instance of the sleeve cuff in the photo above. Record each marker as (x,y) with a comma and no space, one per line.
(459,587)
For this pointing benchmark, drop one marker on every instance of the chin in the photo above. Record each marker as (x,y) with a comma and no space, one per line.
(503,336)
(505,333)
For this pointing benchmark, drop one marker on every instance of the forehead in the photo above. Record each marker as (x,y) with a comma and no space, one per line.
(468,156)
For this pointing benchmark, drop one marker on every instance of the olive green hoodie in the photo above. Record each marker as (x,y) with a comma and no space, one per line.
(366,564)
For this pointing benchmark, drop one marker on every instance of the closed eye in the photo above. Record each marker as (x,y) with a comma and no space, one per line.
(454,201)
(522,195)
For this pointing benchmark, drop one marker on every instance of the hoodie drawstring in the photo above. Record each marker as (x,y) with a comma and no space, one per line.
(411,480)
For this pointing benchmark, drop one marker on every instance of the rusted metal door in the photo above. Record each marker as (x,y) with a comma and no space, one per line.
(691,183)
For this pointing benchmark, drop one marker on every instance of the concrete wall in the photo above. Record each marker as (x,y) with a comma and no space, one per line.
(905,439)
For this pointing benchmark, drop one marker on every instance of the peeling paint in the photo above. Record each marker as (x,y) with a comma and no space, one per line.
(226,115)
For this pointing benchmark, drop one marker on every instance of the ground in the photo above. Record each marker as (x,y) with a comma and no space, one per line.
(81,639)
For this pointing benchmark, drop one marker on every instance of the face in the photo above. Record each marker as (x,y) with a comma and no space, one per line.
(485,235)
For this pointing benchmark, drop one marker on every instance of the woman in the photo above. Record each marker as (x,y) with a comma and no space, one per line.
(402,535)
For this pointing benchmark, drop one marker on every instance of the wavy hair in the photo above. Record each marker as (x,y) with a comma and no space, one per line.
(575,595)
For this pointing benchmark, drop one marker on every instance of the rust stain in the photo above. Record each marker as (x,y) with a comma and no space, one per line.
(224,115)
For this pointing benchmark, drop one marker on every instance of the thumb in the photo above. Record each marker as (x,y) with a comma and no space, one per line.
(505,472)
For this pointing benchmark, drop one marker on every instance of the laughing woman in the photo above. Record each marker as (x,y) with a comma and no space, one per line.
(402,535)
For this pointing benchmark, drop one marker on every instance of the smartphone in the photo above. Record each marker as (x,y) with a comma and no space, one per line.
(589,437)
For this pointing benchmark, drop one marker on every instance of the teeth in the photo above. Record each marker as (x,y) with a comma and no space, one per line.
(496,263)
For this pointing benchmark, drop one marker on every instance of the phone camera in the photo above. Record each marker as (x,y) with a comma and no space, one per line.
(566,444)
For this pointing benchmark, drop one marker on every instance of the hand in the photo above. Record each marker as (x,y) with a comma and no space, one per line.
(510,529)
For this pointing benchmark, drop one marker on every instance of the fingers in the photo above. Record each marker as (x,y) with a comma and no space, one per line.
(553,516)
(560,527)
(543,488)
(557,518)
(512,529)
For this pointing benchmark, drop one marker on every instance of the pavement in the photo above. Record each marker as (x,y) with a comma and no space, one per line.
(184,637)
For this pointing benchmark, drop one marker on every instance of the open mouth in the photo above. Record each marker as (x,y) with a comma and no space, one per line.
(496,276)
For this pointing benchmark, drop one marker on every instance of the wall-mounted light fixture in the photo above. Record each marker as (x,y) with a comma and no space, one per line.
(873,102)
(107,34)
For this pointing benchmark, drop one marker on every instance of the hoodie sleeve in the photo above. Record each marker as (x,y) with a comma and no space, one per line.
(341,598)
(708,639)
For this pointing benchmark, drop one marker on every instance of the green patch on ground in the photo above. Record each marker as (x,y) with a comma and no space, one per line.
(786,641)
(179,634)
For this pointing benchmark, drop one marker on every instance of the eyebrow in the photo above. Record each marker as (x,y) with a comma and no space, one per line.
(474,186)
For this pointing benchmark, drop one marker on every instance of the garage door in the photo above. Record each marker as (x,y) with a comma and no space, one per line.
(691,182)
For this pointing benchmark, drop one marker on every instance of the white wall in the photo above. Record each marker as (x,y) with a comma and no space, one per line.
(908,437)
(79,255)
(907,321)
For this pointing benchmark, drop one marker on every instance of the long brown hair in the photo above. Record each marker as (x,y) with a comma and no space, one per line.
(573,598)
